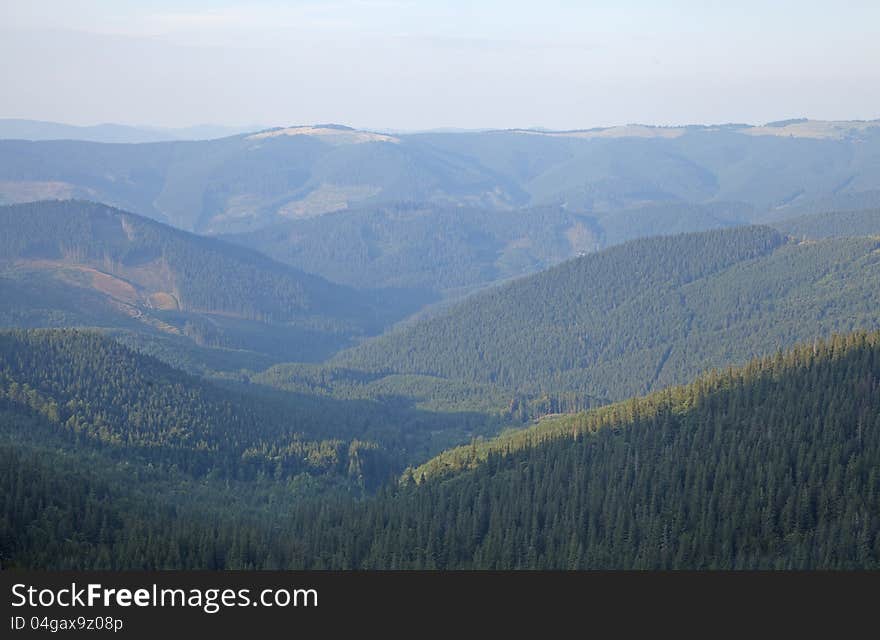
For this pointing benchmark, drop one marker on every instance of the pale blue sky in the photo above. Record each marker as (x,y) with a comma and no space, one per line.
(411,65)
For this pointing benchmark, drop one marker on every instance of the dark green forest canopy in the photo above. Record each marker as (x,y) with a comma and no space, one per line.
(457,249)
(74,263)
(433,246)
(773,465)
(643,315)
(104,397)
(204,274)
(107,397)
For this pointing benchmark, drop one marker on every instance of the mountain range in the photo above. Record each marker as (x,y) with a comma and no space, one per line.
(250,181)
(71,263)
(643,315)
(21,129)
(328,348)
(769,466)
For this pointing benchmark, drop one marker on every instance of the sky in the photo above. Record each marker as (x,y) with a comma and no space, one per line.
(424,64)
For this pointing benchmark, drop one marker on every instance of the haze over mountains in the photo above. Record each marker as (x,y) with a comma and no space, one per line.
(365,229)
(250,181)
(448,213)
(20,129)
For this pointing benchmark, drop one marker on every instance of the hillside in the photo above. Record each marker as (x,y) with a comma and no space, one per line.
(839,201)
(244,182)
(129,462)
(771,466)
(72,263)
(102,395)
(435,247)
(447,214)
(835,224)
(97,395)
(618,227)
(251,181)
(626,167)
(643,315)
(456,249)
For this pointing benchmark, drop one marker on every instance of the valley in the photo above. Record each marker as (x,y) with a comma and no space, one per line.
(615,348)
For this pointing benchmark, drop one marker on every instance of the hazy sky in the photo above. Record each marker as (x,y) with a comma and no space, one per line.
(430,63)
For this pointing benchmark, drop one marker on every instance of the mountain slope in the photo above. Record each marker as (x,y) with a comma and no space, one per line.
(835,224)
(771,466)
(110,458)
(80,263)
(626,167)
(100,395)
(247,182)
(457,249)
(644,315)
(428,246)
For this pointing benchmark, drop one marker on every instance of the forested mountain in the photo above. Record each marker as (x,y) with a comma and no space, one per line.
(290,453)
(450,213)
(246,182)
(99,395)
(618,227)
(643,315)
(454,249)
(839,201)
(109,397)
(774,465)
(427,246)
(771,466)
(66,263)
(625,167)
(835,224)
(98,441)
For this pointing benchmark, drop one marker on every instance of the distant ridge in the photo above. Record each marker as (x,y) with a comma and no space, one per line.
(794,127)
(265,176)
(21,129)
